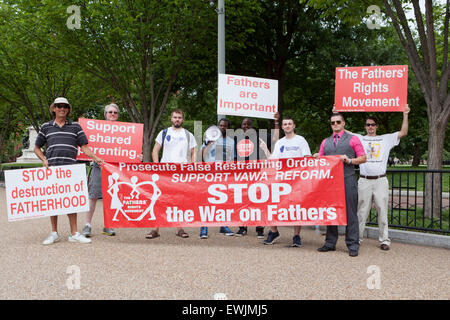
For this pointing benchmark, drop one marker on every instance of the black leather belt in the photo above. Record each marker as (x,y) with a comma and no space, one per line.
(373,177)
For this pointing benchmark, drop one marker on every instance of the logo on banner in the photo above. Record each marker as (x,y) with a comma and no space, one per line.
(245,148)
(129,197)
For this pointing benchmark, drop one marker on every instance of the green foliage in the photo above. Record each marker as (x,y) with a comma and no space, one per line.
(33,73)
(151,57)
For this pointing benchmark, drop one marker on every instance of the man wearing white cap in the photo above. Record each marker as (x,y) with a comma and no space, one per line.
(61,138)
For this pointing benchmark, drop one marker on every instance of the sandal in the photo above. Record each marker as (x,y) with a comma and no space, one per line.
(152,235)
(181,233)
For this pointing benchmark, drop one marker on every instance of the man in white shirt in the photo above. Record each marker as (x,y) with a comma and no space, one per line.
(178,146)
(291,146)
(373,182)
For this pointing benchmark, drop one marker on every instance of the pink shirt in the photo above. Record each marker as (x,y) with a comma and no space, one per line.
(355,143)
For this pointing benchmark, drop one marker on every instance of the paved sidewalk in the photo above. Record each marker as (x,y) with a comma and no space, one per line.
(128,266)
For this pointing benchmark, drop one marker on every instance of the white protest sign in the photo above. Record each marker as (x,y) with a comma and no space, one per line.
(247,96)
(41,192)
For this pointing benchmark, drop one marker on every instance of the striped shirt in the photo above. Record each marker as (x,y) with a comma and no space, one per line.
(62,142)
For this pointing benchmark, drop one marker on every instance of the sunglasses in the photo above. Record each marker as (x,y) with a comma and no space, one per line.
(113,112)
(371,124)
(335,122)
(64,106)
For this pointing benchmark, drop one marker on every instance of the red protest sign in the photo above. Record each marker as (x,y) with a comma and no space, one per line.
(380,88)
(297,191)
(245,148)
(112,141)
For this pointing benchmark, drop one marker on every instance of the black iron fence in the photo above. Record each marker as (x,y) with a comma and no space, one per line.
(418,200)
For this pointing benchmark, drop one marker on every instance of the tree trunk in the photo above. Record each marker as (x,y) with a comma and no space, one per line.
(147,144)
(4,131)
(433,188)
(416,155)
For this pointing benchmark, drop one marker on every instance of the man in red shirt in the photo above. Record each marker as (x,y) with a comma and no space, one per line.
(352,153)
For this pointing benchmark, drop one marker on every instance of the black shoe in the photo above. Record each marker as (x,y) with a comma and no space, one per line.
(326,249)
(353,253)
(296,242)
(272,237)
(260,233)
(241,232)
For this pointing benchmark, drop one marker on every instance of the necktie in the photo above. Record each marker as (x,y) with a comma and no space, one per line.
(336,139)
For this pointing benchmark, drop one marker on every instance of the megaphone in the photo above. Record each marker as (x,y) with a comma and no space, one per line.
(213,133)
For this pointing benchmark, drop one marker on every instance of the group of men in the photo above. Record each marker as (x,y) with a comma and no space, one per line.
(370,152)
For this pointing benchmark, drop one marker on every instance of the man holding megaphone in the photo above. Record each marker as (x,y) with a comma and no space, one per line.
(218,147)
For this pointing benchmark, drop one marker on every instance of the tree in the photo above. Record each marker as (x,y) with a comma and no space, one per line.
(285,30)
(432,69)
(138,49)
(10,128)
(29,79)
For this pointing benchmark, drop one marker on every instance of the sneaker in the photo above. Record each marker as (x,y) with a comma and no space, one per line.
(260,233)
(86,231)
(203,233)
(353,253)
(272,237)
(296,242)
(226,231)
(52,238)
(109,231)
(241,232)
(324,248)
(79,238)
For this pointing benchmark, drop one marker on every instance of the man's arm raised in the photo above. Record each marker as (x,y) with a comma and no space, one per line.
(404,130)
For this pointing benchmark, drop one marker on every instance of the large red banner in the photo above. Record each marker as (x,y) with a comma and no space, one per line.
(380,88)
(113,141)
(297,191)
